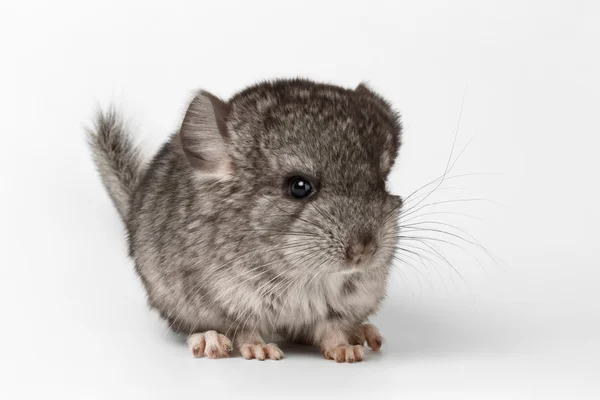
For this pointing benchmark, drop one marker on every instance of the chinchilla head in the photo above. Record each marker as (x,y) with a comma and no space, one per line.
(309,164)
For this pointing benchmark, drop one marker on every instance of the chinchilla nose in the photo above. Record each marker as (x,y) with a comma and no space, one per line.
(361,249)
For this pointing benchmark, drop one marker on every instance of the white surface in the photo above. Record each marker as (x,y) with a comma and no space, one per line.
(74,322)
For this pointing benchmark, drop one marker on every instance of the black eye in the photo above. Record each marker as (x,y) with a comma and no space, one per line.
(300,188)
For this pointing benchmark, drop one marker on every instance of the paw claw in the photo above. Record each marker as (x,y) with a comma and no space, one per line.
(274,352)
(340,354)
(359,352)
(376,345)
(372,336)
(210,344)
(261,352)
(212,351)
(197,352)
(197,343)
(344,353)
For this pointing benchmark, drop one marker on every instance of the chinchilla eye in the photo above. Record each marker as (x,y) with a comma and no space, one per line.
(300,188)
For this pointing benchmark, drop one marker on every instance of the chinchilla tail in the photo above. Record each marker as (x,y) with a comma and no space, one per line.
(117,159)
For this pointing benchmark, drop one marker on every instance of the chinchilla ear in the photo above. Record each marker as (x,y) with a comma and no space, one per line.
(365,90)
(203,135)
(393,137)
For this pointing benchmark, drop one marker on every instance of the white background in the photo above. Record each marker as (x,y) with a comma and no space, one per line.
(74,323)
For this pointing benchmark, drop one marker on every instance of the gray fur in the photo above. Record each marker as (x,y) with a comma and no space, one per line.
(226,248)
(117,159)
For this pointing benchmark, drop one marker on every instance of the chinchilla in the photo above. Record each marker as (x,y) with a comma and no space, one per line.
(264,215)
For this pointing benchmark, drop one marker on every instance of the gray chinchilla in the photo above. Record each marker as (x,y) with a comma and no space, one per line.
(264,215)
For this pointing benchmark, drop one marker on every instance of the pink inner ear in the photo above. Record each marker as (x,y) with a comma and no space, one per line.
(203,135)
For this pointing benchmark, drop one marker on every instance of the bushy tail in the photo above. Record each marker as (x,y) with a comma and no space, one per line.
(118,160)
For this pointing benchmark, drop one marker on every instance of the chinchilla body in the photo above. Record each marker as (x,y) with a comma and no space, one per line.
(266,213)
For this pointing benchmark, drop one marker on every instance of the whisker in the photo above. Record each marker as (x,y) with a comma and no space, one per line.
(442,212)
(448,165)
(325,214)
(411,211)
(421,257)
(295,216)
(263,295)
(473,242)
(457,188)
(428,259)
(242,274)
(442,256)
(427,279)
